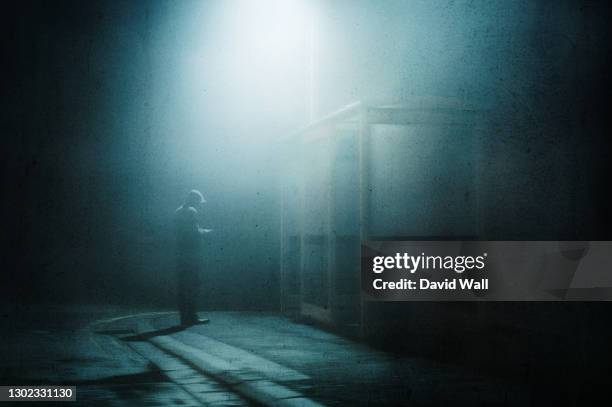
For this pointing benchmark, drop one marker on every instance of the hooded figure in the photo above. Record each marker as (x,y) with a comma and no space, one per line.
(189,256)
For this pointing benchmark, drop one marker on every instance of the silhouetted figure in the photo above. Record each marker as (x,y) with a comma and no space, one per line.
(189,256)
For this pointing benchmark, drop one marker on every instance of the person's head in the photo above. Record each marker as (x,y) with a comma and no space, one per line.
(195,199)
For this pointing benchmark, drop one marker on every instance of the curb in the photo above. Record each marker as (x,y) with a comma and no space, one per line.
(247,383)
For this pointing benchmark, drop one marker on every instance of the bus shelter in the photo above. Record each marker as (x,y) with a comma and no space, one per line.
(370,172)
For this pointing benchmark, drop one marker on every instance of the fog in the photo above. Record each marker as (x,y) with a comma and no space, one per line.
(119,108)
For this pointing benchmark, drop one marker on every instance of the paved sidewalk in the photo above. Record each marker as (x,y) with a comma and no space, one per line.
(122,358)
(56,346)
(272,360)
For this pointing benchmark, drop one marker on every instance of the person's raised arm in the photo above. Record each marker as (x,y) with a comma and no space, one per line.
(194,224)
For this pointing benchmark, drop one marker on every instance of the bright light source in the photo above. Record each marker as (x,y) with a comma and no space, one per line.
(254,62)
(271,28)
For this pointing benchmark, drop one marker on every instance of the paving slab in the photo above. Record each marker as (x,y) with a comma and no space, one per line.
(329,369)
